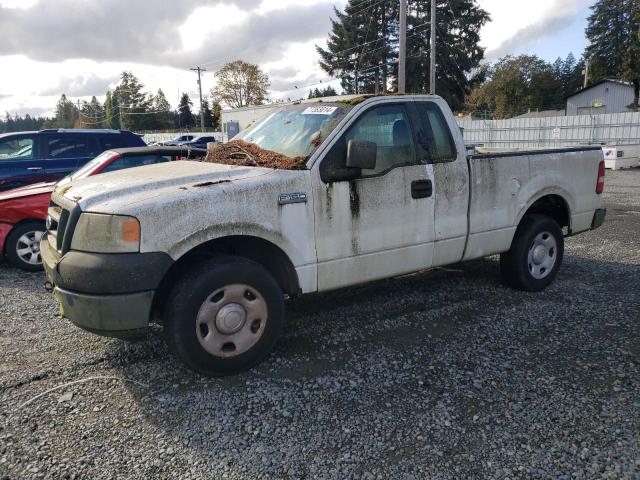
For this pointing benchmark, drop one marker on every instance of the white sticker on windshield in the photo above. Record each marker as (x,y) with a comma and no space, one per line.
(319,110)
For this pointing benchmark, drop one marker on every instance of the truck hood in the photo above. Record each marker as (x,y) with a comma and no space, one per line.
(113,192)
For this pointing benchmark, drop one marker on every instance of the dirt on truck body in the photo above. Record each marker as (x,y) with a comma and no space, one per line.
(239,152)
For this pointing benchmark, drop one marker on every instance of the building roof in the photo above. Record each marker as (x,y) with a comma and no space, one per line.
(606,80)
(542,113)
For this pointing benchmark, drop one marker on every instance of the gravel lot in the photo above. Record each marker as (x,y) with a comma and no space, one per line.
(444,374)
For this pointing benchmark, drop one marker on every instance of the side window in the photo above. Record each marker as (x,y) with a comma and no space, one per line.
(389,128)
(111,141)
(66,146)
(135,161)
(439,142)
(16,148)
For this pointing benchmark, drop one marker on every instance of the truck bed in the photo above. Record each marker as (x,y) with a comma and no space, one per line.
(505,183)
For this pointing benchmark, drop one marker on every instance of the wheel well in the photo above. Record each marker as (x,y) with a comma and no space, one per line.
(261,251)
(553,206)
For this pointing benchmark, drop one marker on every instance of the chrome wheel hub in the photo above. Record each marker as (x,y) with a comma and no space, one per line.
(28,247)
(231,320)
(542,255)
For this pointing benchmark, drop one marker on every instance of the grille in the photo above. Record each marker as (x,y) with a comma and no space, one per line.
(57,222)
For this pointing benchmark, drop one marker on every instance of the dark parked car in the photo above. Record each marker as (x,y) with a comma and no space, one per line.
(49,155)
(199,142)
(177,141)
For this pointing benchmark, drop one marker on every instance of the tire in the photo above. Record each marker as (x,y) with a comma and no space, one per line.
(224,316)
(22,246)
(535,256)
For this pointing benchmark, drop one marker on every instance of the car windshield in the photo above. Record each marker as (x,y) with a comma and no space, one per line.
(295,131)
(88,168)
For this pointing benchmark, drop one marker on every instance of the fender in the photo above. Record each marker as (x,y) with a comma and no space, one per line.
(242,229)
(558,191)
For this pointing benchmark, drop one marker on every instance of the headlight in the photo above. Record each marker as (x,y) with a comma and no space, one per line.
(100,233)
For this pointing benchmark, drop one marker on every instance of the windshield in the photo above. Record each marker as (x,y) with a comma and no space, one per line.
(295,131)
(88,168)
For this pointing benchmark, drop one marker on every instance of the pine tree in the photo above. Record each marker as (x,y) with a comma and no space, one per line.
(614,33)
(91,114)
(216,110)
(363,42)
(185,115)
(208,114)
(361,45)
(164,117)
(134,103)
(66,113)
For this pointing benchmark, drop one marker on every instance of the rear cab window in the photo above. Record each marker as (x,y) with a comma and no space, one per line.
(435,137)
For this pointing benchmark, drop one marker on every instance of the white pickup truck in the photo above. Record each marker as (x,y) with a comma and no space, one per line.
(376,187)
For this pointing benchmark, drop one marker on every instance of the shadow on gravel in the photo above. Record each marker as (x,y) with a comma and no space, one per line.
(441,368)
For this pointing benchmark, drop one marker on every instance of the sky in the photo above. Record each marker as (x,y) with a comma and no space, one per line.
(80,47)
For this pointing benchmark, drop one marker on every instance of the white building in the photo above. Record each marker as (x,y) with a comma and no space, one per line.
(607,96)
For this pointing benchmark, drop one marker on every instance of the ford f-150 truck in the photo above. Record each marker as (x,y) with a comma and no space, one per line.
(363,189)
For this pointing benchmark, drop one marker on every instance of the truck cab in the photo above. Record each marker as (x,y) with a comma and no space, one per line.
(314,197)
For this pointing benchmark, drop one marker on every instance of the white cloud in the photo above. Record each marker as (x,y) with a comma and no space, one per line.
(21,4)
(280,35)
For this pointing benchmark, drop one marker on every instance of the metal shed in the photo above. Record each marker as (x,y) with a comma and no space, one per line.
(607,96)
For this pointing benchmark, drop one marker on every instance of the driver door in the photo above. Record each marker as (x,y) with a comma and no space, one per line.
(380,223)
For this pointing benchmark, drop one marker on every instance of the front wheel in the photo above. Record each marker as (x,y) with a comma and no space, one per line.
(224,316)
(535,255)
(23,246)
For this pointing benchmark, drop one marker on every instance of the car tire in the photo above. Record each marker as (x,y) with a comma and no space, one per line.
(535,256)
(224,316)
(22,246)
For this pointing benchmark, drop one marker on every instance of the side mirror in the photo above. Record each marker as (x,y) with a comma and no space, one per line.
(361,154)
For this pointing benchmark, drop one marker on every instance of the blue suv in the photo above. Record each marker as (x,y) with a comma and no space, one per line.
(49,155)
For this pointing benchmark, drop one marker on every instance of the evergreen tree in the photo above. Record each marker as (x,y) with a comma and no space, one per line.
(328,91)
(614,35)
(216,110)
(18,123)
(362,45)
(134,102)
(363,42)
(66,113)
(91,114)
(208,114)
(164,117)
(185,115)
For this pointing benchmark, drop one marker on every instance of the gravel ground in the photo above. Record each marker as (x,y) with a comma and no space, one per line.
(444,374)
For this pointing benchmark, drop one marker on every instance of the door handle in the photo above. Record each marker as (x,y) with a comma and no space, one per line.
(421,189)
(34,169)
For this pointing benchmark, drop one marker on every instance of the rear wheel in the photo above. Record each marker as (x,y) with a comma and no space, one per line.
(224,316)
(22,246)
(535,255)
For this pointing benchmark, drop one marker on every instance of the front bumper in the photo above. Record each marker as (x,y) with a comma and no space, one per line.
(107,294)
(598,218)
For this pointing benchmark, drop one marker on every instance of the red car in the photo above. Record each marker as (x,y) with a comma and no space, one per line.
(23,211)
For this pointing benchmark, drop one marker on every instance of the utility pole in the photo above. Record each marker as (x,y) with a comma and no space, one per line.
(586,72)
(402,56)
(199,70)
(432,70)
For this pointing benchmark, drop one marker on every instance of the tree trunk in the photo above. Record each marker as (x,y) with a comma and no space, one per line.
(636,94)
